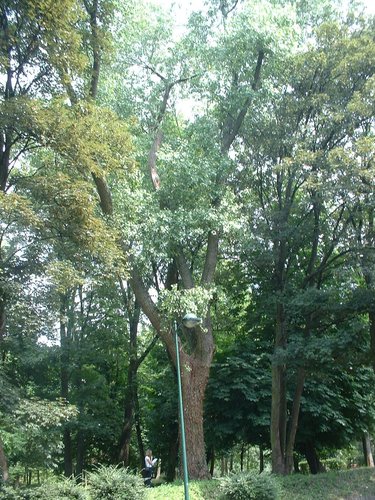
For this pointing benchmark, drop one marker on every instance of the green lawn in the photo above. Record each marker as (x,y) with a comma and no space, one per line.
(353,484)
(350,484)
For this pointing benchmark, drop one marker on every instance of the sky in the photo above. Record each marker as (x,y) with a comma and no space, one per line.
(190,5)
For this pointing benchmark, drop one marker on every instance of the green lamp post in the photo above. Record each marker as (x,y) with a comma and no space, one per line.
(189,321)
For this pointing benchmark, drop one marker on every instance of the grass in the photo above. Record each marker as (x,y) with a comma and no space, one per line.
(198,490)
(339,485)
(352,484)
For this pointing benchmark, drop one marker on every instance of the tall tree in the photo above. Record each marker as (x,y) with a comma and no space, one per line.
(182,263)
(303,202)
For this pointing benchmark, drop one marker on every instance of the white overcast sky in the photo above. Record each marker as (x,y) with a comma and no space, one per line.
(187,6)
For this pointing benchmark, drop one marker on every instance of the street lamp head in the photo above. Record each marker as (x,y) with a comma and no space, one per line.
(191,320)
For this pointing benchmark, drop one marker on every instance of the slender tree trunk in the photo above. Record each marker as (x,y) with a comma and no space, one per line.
(64,380)
(224,466)
(211,460)
(80,454)
(132,388)
(278,405)
(3,463)
(367,452)
(129,411)
(371,316)
(2,316)
(170,471)
(261,459)
(242,455)
(138,428)
(293,422)
(313,459)
(68,453)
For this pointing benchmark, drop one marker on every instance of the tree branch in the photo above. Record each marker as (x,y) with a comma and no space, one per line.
(185,272)
(234,125)
(104,194)
(211,258)
(144,299)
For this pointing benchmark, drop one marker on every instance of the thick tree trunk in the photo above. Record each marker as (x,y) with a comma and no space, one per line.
(367,452)
(3,464)
(194,377)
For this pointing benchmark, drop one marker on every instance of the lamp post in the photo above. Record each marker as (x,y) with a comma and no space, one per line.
(189,321)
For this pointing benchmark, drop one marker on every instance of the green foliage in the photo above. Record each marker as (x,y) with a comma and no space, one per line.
(10,493)
(239,396)
(329,464)
(357,483)
(174,303)
(249,486)
(33,435)
(198,490)
(61,489)
(115,483)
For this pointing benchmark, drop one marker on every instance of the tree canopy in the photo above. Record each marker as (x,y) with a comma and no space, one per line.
(150,168)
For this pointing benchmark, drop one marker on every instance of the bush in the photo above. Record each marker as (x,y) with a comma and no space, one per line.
(249,486)
(328,464)
(65,489)
(114,483)
(9,493)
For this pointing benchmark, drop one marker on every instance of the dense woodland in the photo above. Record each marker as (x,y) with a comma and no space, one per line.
(153,166)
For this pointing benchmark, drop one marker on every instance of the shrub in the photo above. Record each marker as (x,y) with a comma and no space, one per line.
(115,483)
(249,486)
(64,489)
(9,493)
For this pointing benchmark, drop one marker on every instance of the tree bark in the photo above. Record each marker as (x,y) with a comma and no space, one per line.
(131,393)
(64,380)
(261,459)
(196,365)
(68,453)
(371,316)
(80,454)
(278,405)
(138,428)
(211,460)
(2,317)
(293,423)
(367,452)
(194,378)
(313,459)
(3,463)
(242,455)
(170,470)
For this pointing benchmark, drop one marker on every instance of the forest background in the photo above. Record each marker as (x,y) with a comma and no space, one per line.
(151,168)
